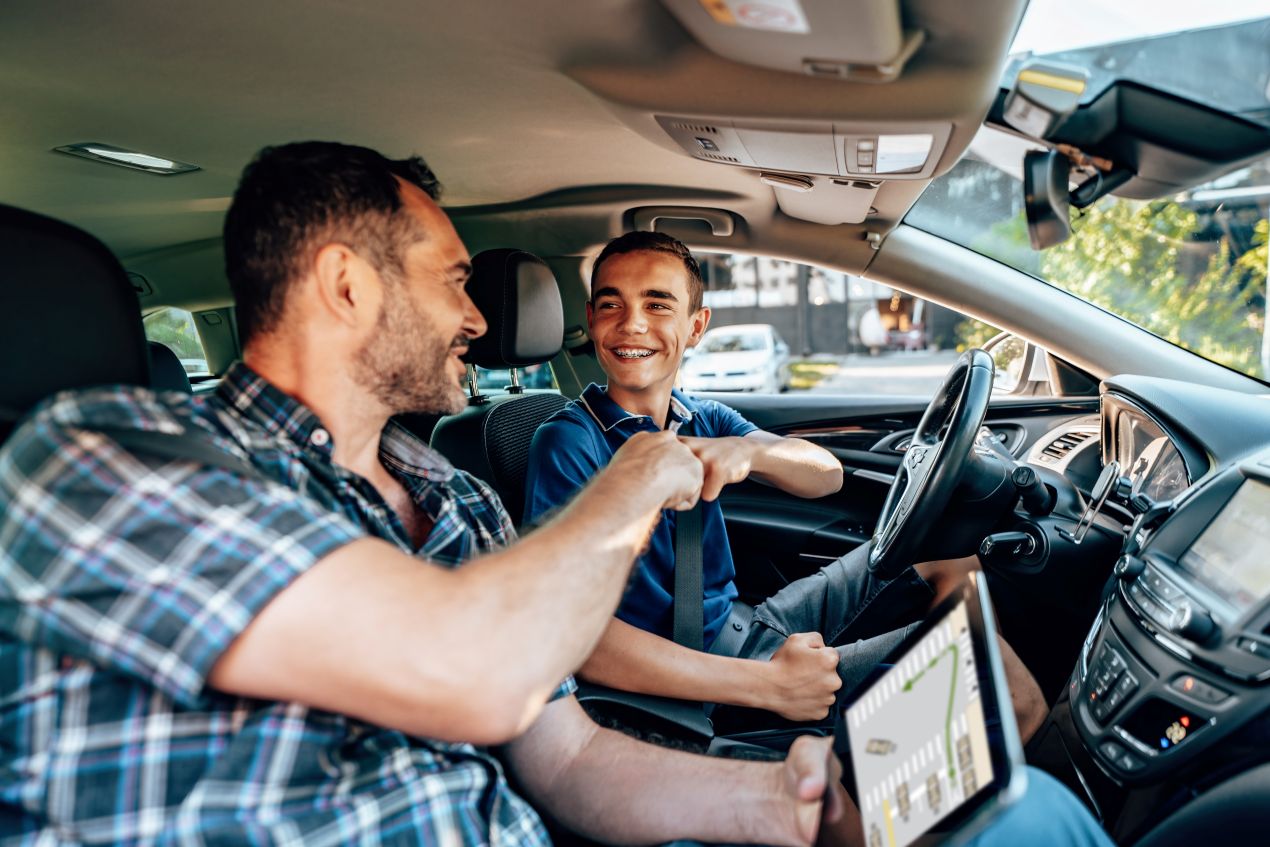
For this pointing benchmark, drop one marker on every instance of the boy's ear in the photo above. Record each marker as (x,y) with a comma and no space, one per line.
(700,323)
(590,317)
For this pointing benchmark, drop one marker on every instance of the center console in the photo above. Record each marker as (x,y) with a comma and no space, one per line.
(1179,657)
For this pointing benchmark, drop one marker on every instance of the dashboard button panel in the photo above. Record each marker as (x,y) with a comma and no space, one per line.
(1110,684)
(1197,689)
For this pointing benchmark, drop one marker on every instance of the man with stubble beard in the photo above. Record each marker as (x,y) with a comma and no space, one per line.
(289,651)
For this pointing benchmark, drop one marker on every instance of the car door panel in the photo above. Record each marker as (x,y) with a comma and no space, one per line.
(777,538)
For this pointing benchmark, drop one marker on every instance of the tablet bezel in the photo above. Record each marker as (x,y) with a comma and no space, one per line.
(1009,777)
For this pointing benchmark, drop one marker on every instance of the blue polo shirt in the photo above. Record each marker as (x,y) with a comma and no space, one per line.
(580,439)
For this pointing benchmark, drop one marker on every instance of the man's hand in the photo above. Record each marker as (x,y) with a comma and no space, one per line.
(809,768)
(725,460)
(661,464)
(802,677)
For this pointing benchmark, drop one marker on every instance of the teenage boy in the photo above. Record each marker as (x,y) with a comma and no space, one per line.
(815,636)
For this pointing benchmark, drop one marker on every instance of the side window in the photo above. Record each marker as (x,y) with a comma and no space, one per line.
(174,328)
(782,326)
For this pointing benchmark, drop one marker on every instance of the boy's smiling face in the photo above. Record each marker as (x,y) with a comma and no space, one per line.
(641,321)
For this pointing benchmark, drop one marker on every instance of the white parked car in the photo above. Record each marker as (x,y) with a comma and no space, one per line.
(742,357)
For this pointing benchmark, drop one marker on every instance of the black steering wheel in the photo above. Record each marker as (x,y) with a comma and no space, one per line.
(933,464)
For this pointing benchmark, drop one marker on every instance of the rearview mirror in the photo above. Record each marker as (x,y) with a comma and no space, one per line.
(1045,197)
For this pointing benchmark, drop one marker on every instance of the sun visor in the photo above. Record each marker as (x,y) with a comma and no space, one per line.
(827,38)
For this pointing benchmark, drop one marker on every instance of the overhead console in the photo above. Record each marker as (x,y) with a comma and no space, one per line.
(845,161)
(868,151)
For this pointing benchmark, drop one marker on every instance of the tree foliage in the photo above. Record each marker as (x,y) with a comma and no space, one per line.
(1147,263)
(175,329)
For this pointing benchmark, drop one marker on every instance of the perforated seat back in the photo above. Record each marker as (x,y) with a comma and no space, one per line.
(492,441)
(518,295)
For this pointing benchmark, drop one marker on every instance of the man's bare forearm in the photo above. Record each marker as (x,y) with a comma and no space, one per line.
(630,659)
(615,789)
(470,654)
(546,600)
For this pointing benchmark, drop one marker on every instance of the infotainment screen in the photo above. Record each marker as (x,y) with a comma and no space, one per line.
(1229,557)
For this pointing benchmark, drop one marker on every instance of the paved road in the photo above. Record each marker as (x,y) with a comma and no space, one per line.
(890,373)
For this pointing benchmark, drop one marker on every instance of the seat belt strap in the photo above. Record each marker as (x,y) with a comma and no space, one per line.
(689,603)
(188,446)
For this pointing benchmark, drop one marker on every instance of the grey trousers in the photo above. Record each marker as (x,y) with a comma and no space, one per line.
(860,615)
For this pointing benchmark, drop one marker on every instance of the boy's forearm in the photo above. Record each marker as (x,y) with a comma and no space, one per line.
(794,465)
(630,659)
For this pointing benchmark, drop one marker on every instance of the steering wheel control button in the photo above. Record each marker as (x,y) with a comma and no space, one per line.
(1197,689)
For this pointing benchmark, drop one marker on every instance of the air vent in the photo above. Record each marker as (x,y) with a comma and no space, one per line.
(715,157)
(709,130)
(1064,444)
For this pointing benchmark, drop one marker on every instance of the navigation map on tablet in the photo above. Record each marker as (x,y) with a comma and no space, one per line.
(918,738)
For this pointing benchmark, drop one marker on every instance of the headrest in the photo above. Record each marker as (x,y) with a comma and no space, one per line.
(69,318)
(517,294)
(166,372)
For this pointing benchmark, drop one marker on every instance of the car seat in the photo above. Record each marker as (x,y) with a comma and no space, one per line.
(69,318)
(166,372)
(518,295)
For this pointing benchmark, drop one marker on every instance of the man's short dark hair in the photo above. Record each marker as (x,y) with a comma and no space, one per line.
(296,198)
(655,242)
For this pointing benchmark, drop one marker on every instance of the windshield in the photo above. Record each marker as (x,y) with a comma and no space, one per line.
(732,342)
(1190,268)
(1213,52)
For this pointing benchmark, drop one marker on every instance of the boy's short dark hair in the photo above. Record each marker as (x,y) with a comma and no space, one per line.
(655,242)
(295,198)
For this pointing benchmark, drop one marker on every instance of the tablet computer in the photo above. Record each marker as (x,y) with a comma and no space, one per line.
(931,741)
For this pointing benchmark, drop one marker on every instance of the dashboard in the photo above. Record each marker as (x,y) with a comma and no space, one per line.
(1173,677)
(1148,457)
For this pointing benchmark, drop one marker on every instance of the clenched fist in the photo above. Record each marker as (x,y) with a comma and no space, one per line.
(659,464)
(803,678)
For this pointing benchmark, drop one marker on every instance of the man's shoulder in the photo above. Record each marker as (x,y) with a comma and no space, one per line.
(105,408)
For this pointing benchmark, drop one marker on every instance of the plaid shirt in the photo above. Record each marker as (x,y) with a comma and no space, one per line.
(124,578)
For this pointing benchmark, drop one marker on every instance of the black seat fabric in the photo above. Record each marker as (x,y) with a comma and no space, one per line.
(166,372)
(518,295)
(69,318)
(491,441)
